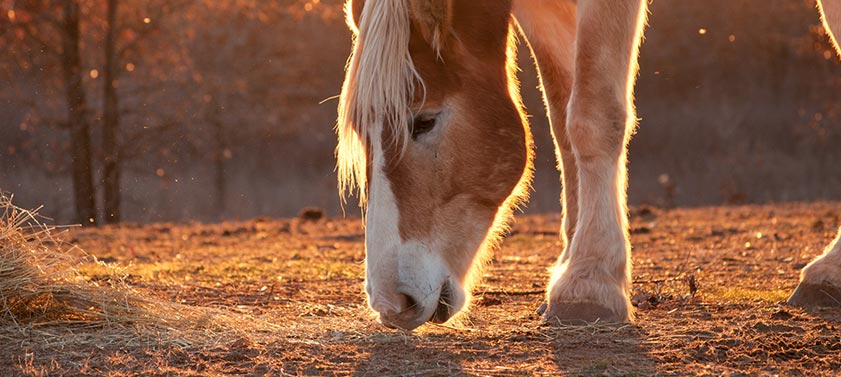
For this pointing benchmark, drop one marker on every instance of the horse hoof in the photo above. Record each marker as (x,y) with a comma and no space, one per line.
(816,295)
(579,314)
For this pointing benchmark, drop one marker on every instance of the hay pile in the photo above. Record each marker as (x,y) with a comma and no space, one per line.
(45,301)
(39,284)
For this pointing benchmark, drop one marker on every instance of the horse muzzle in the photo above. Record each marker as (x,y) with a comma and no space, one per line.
(412,310)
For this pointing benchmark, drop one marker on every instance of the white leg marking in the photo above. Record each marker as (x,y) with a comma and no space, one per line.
(592,279)
(820,281)
(825,269)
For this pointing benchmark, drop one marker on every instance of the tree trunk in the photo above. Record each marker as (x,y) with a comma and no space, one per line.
(219,157)
(83,189)
(111,121)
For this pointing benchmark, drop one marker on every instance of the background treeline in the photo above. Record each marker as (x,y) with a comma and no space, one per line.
(150,110)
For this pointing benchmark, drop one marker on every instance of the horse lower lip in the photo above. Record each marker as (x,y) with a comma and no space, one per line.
(442,312)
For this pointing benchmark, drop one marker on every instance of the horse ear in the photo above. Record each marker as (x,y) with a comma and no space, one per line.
(353,12)
(433,18)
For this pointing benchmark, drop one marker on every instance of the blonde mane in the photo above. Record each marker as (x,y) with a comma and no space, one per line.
(378,89)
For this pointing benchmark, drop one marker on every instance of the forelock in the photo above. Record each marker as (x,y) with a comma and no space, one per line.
(378,90)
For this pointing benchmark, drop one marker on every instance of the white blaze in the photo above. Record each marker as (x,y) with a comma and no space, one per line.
(382,237)
(394,267)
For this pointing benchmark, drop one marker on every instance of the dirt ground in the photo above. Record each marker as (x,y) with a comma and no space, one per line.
(710,286)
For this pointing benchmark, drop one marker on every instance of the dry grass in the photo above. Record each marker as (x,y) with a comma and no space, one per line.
(39,285)
(707,303)
(46,302)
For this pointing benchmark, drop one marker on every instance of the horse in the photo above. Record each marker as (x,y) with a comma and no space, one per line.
(433,138)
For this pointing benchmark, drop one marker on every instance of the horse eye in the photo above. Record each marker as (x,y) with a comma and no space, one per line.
(422,124)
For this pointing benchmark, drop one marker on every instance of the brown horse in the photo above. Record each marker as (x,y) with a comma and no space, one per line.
(433,138)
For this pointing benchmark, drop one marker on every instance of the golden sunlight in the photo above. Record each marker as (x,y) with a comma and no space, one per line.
(192,223)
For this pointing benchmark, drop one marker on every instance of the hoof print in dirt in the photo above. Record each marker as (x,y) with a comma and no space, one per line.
(816,295)
(579,314)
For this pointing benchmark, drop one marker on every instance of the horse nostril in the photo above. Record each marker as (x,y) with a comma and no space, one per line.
(406,316)
(407,303)
(445,305)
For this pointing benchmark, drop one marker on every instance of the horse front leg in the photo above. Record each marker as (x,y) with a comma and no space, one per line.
(820,281)
(591,280)
(831,16)
(549,28)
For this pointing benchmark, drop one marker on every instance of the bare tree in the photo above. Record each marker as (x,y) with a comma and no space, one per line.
(83,188)
(221,153)
(111,120)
